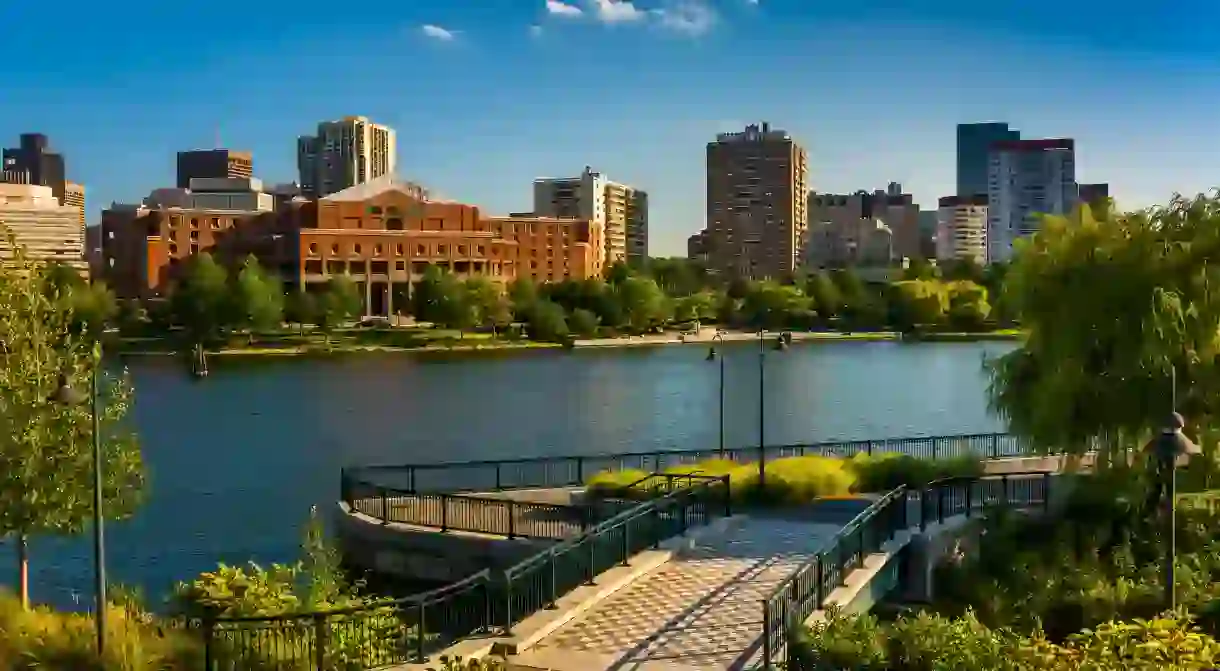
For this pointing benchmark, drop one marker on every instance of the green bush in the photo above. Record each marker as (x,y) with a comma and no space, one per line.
(43,639)
(612,483)
(933,643)
(790,480)
(883,472)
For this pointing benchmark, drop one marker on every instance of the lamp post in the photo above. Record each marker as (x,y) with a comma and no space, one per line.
(1169,446)
(780,344)
(712,356)
(66,395)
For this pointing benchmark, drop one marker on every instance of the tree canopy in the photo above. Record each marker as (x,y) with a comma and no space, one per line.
(1112,308)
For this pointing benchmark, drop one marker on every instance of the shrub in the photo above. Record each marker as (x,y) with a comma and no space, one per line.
(41,638)
(459,664)
(798,480)
(611,483)
(883,472)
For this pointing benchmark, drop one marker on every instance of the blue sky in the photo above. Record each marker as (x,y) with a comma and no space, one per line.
(498,92)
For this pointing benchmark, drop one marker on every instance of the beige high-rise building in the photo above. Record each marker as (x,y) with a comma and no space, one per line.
(756,209)
(47,230)
(344,153)
(961,229)
(620,209)
(74,196)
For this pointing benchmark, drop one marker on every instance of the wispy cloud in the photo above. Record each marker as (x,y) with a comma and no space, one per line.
(688,17)
(438,33)
(559,8)
(617,11)
(751,2)
(535,31)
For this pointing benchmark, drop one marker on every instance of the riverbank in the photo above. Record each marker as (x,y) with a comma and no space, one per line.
(358,342)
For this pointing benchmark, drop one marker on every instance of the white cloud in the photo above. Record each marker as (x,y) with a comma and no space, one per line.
(689,17)
(559,8)
(535,31)
(438,33)
(751,2)
(617,11)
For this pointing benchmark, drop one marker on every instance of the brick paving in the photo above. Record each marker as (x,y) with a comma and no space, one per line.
(701,610)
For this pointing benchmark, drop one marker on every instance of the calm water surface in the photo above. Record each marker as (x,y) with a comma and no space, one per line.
(236,460)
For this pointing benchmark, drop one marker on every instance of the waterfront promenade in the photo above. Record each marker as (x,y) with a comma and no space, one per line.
(699,610)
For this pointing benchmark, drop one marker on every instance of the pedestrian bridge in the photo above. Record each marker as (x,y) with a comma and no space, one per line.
(669,574)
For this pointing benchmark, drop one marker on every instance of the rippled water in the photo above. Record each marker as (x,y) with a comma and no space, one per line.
(238,458)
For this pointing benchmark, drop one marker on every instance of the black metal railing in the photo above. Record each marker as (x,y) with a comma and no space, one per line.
(540,581)
(397,631)
(466,512)
(804,592)
(574,471)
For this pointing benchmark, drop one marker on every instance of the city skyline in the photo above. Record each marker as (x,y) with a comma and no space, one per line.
(647,125)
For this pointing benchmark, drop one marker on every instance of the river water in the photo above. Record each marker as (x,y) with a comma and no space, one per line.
(237,459)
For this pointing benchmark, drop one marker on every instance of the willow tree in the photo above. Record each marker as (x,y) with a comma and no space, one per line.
(1113,308)
(46,464)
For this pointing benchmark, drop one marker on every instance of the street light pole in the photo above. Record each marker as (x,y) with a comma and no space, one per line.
(762,404)
(1167,447)
(711,354)
(66,395)
(99,533)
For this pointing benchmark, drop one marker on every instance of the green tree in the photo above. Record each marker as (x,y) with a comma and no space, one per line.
(773,305)
(301,308)
(1112,308)
(338,305)
(968,305)
(583,323)
(546,322)
(825,294)
(915,303)
(485,301)
(619,272)
(645,306)
(46,464)
(260,298)
(200,302)
(522,294)
(678,276)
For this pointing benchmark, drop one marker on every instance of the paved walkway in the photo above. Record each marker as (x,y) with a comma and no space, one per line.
(700,610)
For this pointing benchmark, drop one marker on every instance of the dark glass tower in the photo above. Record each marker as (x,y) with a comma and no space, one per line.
(974,140)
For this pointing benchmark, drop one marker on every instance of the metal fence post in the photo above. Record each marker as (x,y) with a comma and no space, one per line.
(319,640)
(1004,488)
(1046,491)
(923,510)
(940,504)
(445,512)
(728,496)
(420,634)
(209,630)
(580,470)
(970,496)
(385,505)
(512,519)
(499,479)
(995,448)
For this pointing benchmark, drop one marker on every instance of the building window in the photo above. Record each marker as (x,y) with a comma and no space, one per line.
(194,235)
(400,265)
(481,250)
(377,250)
(194,223)
(462,250)
(334,249)
(356,249)
(398,250)
(215,224)
(173,249)
(440,249)
(393,224)
(421,250)
(313,248)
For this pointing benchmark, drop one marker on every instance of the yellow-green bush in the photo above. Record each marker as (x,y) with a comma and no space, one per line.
(43,639)
(883,472)
(790,480)
(612,482)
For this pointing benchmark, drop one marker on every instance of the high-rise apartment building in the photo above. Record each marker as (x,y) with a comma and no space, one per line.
(344,153)
(961,229)
(974,142)
(1026,179)
(756,202)
(213,163)
(45,229)
(33,155)
(621,210)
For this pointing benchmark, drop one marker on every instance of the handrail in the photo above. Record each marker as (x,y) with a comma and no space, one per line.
(538,581)
(795,599)
(464,512)
(574,470)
